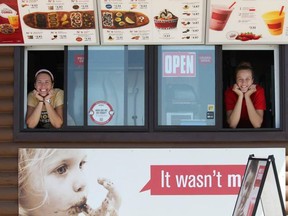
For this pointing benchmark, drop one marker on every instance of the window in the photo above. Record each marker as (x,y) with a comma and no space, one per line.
(186,80)
(48,58)
(265,62)
(115,86)
(150,93)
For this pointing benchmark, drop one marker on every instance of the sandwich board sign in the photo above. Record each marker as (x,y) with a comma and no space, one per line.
(260,185)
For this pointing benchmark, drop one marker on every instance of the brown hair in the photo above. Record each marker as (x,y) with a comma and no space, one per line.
(244,66)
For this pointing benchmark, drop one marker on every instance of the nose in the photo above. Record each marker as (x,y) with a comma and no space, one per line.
(79,184)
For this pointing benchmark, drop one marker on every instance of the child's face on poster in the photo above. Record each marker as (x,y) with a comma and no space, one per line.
(245,192)
(63,180)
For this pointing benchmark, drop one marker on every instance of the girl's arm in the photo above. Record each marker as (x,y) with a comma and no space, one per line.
(255,116)
(33,115)
(55,115)
(233,116)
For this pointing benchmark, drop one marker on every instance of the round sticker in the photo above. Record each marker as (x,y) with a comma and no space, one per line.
(101,112)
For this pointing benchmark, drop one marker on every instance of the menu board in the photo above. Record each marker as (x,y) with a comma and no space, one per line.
(48,22)
(247,22)
(152,22)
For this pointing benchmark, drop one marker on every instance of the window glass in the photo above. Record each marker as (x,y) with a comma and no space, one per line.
(116,85)
(75,86)
(186,85)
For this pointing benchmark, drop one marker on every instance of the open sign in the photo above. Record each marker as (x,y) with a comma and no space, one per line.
(179,64)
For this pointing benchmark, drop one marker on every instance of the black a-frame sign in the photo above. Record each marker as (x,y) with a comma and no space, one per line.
(260,189)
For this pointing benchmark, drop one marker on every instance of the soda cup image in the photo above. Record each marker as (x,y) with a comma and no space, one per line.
(219,16)
(14,21)
(274,22)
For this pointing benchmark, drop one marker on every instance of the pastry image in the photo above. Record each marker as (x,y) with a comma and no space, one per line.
(166,20)
(60,20)
(6,29)
(123,19)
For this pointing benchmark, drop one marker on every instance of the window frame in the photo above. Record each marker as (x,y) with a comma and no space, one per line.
(111,128)
(151,133)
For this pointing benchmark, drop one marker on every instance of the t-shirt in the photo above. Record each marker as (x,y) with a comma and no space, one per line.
(56,100)
(258,100)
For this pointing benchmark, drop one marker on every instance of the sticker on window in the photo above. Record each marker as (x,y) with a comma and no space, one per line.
(101,112)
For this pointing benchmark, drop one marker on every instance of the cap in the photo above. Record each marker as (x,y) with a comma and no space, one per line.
(44,71)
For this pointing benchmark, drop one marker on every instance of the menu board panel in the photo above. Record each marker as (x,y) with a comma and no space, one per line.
(246,22)
(152,22)
(48,22)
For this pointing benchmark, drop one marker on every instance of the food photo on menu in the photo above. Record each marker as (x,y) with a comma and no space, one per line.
(60,20)
(120,19)
(247,21)
(166,20)
(34,22)
(10,28)
(152,22)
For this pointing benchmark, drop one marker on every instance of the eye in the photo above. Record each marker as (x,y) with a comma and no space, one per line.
(62,169)
(82,163)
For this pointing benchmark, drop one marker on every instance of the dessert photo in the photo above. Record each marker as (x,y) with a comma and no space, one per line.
(60,20)
(6,28)
(166,20)
(123,19)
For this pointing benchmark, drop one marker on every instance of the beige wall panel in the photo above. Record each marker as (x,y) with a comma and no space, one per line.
(6,105)
(8,179)
(9,194)
(7,51)
(6,135)
(6,62)
(6,91)
(8,164)
(8,208)
(6,76)
(6,120)
(8,149)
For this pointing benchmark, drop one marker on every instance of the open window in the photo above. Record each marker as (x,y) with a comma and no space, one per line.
(149,91)
(265,63)
(50,58)
(103,86)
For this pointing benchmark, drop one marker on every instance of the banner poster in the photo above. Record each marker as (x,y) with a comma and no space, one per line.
(129,182)
(152,22)
(247,22)
(48,22)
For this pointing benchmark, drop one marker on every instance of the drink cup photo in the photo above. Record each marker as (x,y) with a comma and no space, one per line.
(14,21)
(274,22)
(219,16)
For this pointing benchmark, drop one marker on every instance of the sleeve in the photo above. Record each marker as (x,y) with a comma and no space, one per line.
(59,98)
(31,100)
(229,100)
(260,100)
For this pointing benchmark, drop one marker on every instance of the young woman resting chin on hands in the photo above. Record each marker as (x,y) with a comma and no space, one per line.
(45,103)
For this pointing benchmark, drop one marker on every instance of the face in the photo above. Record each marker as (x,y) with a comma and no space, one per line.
(244,80)
(64,182)
(43,84)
